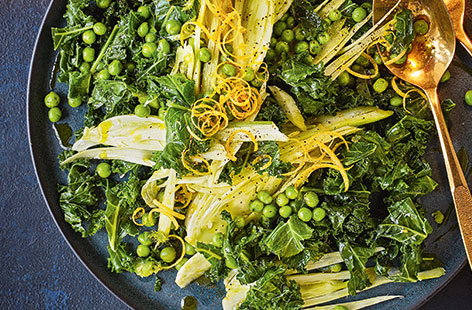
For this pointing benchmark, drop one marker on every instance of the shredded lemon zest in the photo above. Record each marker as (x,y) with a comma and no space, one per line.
(136,214)
(407,94)
(189,167)
(262,157)
(365,76)
(230,139)
(397,89)
(182,254)
(394,59)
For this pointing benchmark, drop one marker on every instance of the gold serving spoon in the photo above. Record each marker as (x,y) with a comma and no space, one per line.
(426,64)
(456,10)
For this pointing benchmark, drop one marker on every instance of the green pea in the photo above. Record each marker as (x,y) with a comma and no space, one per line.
(130,66)
(52,99)
(270,55)
(264,197)
(421,27)
(103,75)
(315,47)
(144,268)
(239,221)
(231,263)
(181,263)
(299,34)
(304,214)
(189,249)
(143,29)
(362,61)
(103,170)
(333,268)
(380,85)
(367,6)
(142,110)
(309,60)
(204,54)
(89,37)
(446,77)
(273,42)
(281,200)
(249,74)
(149,220)
(357,68)
(145,239)
(281,47)
(75,102)
(378,59)
(285,211)
(288,35)
(103,4)
(162,113)
(335,15)
(319,214)
(256,206)
(301,47)
(143,250)
(291,192)
(256,83)
(339,307)
(84,67)
(154,103)
(311,199)
(173,27)
(279,27)
(468,97)
(344,79)
(143,11)
(284,17)
(323,38)
(229,70)
(269,211)
(149,49)
(88,54)
(168,254)
(150,37)
(396,101)
(54,114)
(115,67)
(163,46)
(359,14)
(290,22)
(99,29)
(402,60)
(218,240)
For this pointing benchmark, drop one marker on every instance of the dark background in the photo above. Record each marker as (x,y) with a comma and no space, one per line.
(37,268)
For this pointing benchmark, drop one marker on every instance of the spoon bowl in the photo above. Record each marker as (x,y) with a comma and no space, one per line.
(427,62)
(456,10)
(432,53)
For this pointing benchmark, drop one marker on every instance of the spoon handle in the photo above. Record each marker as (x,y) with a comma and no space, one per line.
(459,189)
(464,39)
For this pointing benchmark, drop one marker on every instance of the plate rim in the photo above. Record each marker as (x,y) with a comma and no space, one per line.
(90,267)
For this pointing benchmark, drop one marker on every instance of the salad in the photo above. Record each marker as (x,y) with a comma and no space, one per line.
(262,143)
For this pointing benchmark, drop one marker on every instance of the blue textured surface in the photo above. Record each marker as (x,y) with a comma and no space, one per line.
(38,270)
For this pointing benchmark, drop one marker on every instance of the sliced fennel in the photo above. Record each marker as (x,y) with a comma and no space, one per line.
(128,131)
(353,117)
(141,157)
(289,106)
(194,268)
(236,292)
(262,131)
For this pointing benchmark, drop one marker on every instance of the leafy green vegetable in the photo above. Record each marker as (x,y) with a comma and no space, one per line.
(286,239)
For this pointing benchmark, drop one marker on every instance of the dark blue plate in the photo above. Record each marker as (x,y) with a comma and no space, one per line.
(138,293)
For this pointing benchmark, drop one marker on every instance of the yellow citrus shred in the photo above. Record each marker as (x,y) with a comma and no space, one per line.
(189,167)
(136,215)
(231,156)
(182,253)
(261,158)
(365,76)
(397,89)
